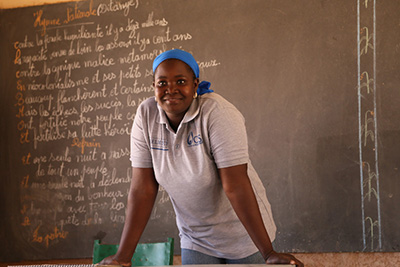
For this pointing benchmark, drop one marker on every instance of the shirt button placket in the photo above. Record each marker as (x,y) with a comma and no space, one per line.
(177,147)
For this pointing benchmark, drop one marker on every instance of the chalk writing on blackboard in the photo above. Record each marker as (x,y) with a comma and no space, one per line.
(368,82)
(368,120)
(365,40)
(78,84)
(368,183)
(368,146)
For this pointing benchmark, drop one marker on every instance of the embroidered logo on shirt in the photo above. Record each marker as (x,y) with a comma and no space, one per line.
(194,140)
(159,144)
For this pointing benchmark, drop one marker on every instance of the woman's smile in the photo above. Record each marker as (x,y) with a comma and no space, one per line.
(172,100)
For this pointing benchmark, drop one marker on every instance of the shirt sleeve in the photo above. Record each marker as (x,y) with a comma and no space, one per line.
(140,152)
(228,138)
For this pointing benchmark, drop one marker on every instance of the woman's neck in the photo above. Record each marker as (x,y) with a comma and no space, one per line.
(174,121)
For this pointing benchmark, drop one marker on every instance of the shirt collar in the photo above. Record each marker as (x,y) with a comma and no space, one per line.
(190,114)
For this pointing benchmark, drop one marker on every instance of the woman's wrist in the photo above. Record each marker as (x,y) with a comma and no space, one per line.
(123,263)
(268,254)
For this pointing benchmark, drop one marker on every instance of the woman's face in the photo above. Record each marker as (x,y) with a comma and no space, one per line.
(174,85)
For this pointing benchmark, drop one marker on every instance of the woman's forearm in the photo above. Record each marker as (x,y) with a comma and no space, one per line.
(142,195)
(240,193)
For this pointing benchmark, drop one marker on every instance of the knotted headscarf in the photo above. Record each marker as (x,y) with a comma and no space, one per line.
(204,86)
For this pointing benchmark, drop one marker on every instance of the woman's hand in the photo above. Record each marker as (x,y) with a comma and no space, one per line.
(282,258)
(111,261)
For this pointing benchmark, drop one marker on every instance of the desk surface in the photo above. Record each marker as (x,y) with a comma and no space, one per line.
(209,265)
(240,265)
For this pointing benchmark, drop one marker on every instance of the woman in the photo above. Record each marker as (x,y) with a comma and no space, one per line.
(193,143)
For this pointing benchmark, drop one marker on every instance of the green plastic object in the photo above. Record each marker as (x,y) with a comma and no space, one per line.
(146,254)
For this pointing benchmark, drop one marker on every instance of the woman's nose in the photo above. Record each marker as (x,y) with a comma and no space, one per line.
(171,88)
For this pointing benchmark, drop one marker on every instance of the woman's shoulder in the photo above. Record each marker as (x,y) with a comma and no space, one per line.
(147,105)
(215,107)
(146,109)
(147,102)
(214,100)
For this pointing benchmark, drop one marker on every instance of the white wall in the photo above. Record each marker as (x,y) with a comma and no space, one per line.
(23,3)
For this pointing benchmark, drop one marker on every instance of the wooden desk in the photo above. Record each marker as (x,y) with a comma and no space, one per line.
(209,265)
(238,265)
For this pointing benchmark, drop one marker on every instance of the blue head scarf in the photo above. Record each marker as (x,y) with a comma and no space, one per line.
(186,57)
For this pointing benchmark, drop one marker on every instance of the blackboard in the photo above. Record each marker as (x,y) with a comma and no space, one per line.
(317,82)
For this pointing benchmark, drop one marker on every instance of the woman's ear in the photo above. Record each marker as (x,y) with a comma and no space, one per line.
(196,83)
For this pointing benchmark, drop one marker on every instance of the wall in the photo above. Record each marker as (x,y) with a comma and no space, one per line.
(24,3)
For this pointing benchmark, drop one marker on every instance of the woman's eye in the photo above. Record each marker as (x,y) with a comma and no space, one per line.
(181,81)
(161,83)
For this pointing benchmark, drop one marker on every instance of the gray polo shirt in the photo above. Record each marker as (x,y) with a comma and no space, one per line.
(212,135)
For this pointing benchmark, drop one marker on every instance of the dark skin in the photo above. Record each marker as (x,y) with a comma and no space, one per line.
(141,198)
(237,187)
(174,90)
